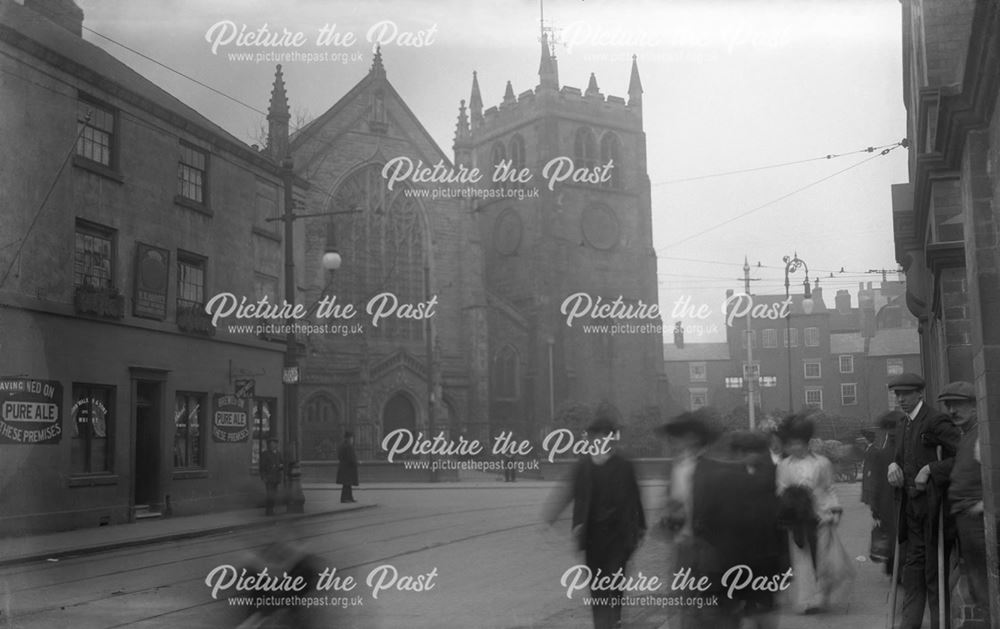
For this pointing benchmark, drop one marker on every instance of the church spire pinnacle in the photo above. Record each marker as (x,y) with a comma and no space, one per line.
(377,67)
(548,68)
(635,85)
(476,103)
(508,95)
(277,118)
(462,132)
(592,89)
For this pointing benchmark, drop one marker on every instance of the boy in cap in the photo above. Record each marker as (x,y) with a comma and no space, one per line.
(926,440)
(965,495)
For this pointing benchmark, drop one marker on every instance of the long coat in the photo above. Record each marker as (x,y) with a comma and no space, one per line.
(270,467)
(916,446)
(347,470)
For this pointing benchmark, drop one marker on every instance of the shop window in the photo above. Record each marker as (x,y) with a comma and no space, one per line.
(92,415)
(189,426)
(264,409)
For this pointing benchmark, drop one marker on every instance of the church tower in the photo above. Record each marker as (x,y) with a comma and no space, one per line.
(545,243)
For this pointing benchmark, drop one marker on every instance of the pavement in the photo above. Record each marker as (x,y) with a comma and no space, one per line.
(322,499)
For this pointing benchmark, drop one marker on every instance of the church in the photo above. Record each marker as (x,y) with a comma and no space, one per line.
(499,264)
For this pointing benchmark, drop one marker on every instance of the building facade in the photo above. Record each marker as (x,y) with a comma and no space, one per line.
(946,217)
(840,359)
(119,395)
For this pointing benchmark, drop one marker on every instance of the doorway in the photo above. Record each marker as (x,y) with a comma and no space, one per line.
(148,419)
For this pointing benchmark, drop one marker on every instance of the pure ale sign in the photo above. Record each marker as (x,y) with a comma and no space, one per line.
(30,411)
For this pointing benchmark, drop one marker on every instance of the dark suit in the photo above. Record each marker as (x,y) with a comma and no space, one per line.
(916,446)
(271,466)
(347,471)
(608,509)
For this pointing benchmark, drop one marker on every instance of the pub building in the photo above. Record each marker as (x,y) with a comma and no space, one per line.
(124,211)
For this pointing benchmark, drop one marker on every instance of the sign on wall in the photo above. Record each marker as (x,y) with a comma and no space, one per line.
(229,418)
(30,411)
(152,266)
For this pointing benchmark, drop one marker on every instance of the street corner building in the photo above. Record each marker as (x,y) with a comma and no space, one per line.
(123,212)
(947,216)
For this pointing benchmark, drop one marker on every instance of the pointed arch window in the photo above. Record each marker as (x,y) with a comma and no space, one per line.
(497,154)
(611,151)
(384,247)
(517,154)
(584,148)
(505,374)
(321,430)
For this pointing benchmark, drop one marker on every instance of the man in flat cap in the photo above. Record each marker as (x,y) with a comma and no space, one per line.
(926,440)
(965,495)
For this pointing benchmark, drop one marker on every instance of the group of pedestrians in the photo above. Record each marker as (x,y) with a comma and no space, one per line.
(766,501)
(923,483)
(731,502)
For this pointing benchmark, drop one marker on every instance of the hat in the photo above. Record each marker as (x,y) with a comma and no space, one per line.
(602,425)
(958,391)
(890,419)
(868,434)
(796,427)
(906,382)
(692,422)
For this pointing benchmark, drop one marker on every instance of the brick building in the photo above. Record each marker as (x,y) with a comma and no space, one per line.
(118,202)
(946,217)
(841,358)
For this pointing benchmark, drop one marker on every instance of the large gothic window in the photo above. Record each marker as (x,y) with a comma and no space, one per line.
(505,374)
(321,429)
(584,148)
(611,149)
(383,249)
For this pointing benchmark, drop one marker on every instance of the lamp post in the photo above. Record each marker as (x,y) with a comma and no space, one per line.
(791,265)
(290,374)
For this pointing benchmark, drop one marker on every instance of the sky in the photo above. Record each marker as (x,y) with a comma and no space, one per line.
(729,85)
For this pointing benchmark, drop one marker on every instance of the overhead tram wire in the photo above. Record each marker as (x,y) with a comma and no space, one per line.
(781,198)
(870,149)
(177,72)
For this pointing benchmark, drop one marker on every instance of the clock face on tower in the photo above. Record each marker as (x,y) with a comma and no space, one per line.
(600,226)
(507,232)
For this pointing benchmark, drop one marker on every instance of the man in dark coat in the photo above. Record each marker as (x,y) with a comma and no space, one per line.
(608,520)
(271,467)
(965,496)
(347,469)
(883,499)
(926,441)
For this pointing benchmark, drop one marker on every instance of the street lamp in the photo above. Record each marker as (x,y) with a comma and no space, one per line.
(290,374)
(791,265)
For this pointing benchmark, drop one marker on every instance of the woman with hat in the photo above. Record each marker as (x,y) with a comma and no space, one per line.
(809,509)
